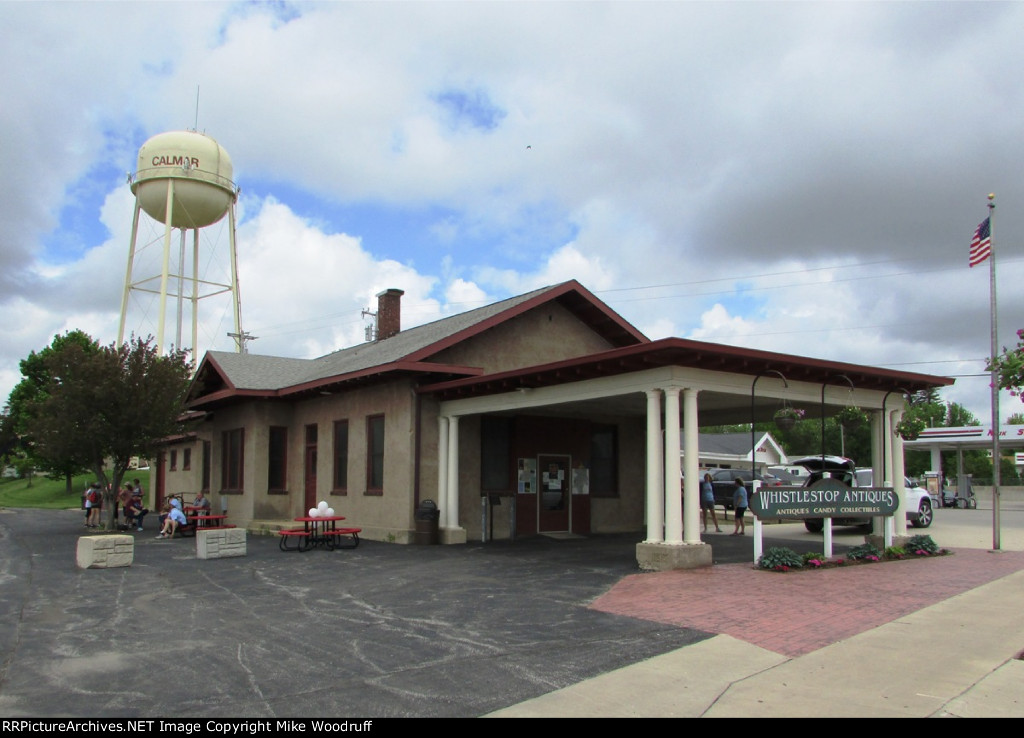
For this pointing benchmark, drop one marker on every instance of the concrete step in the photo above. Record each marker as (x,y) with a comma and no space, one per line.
(269,527)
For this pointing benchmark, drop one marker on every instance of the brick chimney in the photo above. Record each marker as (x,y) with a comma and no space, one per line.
(389,313)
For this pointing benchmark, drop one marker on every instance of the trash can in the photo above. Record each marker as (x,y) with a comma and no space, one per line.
(427,516)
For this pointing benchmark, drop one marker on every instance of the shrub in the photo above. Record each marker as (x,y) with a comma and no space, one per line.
(894,552)
(925,544)
(779,558)
(809,558)
(864,552)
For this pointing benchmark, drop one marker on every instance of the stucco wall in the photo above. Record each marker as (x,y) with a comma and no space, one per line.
(538,336)
(387,512)
(625,512)
(390,511)
(179,481)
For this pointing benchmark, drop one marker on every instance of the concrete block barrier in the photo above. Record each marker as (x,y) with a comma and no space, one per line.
(105,552)
(220,543)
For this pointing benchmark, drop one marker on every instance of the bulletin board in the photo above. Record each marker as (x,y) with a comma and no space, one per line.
(527,477)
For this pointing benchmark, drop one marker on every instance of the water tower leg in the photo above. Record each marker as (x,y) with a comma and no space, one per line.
(166,267)
(195,294)
(235,294)
(181,290)
(128,273)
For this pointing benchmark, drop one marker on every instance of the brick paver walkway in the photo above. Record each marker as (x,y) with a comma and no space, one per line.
(797,612)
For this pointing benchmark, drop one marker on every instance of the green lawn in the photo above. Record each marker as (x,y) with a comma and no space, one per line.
(49,494)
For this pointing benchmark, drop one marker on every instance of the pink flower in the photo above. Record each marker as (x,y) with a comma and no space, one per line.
(871,557)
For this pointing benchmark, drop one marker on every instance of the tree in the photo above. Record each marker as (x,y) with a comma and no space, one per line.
(957,415)
(37,373)
(1009,367)
(108,406)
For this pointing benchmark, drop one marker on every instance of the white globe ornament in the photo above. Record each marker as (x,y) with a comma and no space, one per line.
(312,512)
(330,512)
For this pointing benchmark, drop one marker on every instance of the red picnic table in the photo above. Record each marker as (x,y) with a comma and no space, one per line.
(319,531)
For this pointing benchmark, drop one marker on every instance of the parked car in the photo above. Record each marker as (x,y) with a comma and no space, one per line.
(919,503)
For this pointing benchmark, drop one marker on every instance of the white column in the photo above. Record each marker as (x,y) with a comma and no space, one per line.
(936,456)
(452,498)
(673,487)
(896,443)
(879,451)
(691,468)
(442,469)
(655,470)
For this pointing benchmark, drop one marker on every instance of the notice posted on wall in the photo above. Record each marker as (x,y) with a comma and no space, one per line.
(527,476)
(581,481)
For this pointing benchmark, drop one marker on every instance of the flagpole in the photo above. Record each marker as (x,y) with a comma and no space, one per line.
(996,460)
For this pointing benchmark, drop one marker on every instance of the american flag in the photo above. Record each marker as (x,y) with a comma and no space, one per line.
(981,244)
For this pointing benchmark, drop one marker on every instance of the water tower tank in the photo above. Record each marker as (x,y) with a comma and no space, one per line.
(200,170)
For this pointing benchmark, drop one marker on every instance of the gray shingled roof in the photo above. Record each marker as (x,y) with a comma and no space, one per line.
(734,444)
(258,372)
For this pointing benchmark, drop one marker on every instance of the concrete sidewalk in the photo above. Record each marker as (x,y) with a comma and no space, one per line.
(958,657)
(942,640)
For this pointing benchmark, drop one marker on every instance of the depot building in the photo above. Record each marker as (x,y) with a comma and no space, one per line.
(546,413)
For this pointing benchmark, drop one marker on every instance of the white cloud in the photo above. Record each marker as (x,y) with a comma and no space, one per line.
(794,177)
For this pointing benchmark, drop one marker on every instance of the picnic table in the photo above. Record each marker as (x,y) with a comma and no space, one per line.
(202,521)
(318,532)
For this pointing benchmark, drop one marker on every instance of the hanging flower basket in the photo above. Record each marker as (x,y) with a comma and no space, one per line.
(910,428)
(786,417)
(851,417)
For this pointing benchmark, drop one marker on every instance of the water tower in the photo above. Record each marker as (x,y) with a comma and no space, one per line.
(183,180)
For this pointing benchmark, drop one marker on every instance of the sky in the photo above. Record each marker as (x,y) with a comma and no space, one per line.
(794,177)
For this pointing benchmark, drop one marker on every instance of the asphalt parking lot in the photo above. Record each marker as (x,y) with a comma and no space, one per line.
(443,631)
(380,631)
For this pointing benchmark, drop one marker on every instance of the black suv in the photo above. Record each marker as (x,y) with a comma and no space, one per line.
(724,483)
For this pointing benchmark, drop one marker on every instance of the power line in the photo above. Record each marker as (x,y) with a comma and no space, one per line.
(305,323)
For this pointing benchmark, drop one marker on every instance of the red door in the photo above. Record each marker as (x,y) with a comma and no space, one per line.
(554,496)
(310,468)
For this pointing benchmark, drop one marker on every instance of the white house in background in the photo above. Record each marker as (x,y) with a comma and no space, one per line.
(734,450)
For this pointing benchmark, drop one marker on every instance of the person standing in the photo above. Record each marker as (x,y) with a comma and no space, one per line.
(739,504)
(707,502)
(94,503)
(121,506)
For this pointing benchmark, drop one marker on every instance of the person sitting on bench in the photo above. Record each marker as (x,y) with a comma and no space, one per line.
(202,504)
(134,512)
(174,519)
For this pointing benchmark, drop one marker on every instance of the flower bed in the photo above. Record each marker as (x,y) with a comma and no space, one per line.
(783,559)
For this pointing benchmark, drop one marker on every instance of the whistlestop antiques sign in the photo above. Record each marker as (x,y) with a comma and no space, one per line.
(827,498)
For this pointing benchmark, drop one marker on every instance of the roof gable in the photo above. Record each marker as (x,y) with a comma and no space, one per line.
(227,373)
